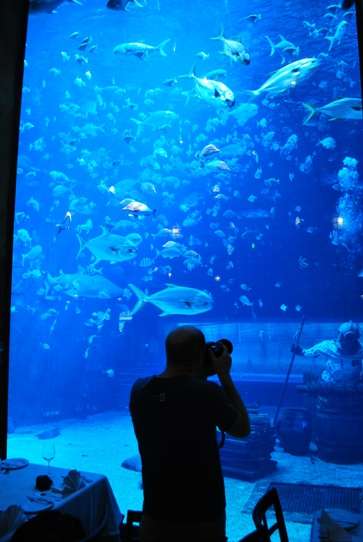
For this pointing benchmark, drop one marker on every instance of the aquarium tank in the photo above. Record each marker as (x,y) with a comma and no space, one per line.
(192,163)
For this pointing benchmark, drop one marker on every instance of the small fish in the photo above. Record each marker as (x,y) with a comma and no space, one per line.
(203,55)
(336,38)
(121,5)
(172,82)
(253,18)
(207,150)
(233,49)
(328,143)
(140,50)
(283,307)
(283,46)
(136,207)
(245,301)
(175,300)
(218,164)
(66,224)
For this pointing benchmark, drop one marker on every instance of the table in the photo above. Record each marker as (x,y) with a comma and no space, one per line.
(356,533)
(94,504)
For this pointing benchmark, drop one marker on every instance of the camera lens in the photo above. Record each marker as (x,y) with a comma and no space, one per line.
(227,344)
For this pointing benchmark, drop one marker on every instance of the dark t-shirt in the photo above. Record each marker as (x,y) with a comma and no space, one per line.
(175,422)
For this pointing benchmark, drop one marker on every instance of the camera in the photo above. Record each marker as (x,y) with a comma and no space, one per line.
(217,348)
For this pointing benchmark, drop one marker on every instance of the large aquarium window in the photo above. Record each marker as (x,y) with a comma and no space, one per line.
(192,163)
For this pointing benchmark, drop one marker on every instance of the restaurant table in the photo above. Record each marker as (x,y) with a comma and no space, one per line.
(94,504)
(356,533)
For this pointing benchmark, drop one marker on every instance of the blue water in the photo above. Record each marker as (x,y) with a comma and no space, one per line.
(275,227)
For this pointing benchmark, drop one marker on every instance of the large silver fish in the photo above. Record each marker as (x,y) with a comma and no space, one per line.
(344,108)
(48,6)
(287,77)
(175,300)
(110,247)
(211,90)
(140,50)
(84,285)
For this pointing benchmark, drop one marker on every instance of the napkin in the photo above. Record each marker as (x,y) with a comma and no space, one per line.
(72,482)
(11,518)
(332,531)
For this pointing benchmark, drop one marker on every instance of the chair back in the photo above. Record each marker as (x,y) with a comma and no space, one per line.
(270,501)
(256,536)
(130,532)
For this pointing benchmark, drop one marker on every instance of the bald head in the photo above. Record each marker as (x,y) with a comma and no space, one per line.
(185,347)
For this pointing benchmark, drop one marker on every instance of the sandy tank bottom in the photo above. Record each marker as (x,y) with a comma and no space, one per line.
(101,442)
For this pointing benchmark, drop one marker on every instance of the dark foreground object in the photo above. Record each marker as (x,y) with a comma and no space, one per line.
(339,426)
(250,458)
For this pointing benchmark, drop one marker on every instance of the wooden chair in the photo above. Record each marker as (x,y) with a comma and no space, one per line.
(270,501)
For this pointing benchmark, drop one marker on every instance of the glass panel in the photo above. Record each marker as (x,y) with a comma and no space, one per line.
(210,182)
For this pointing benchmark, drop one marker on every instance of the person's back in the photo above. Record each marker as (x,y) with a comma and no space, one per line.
(175,416)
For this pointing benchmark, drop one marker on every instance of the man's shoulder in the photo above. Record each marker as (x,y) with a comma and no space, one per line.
(140,383)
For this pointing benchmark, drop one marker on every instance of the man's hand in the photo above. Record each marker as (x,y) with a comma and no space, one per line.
(221,364)
(297,350)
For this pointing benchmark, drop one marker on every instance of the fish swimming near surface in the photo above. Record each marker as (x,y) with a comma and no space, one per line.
(287,77)
(48,6)
(234,49)
(84,285)
(140,50)
(175,300)
(121,5)
(110,247)
(344,108)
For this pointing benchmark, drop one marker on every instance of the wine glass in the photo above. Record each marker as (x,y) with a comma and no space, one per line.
(48,453)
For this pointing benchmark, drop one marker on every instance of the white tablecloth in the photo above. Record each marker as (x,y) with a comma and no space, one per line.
(94,504)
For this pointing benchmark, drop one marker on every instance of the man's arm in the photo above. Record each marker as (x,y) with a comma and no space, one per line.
(241,427)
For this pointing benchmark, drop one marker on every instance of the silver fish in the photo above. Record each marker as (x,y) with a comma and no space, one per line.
(344,108)
(140,50)
(109,247)
(287,77)
(233,49)
(212,90)
(84,285)
(175,300)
